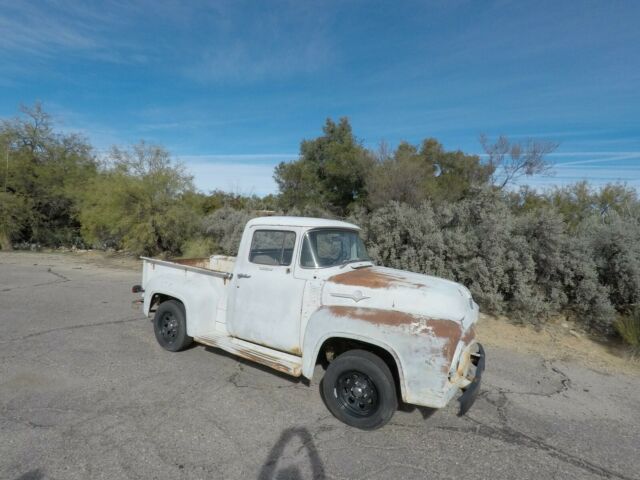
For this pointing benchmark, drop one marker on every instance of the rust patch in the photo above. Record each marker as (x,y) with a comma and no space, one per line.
(264,361)
(253,356)
(448,330)
(439,327)
(470,335)
(373,315)
(451,331)
(371,278)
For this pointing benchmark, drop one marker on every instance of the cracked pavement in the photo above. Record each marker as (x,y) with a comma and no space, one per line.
(85,392)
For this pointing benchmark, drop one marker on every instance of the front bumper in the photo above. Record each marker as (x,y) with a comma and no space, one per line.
(470,392)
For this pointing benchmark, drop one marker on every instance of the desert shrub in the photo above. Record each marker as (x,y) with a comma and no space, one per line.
(139,202)
(225,227)
(527,266)
(615,243)
(44,175)
(566,273)
(198,247)
(587,299)
(401,236)
(315,211)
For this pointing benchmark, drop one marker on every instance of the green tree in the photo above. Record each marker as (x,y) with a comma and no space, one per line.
(141,202)
(412,175)
(330,172)
(14,216)
(43,177)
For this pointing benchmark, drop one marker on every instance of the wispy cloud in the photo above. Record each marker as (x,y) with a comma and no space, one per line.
(54,28)
(236,42)
(244,45)
(597,167)
(606,157)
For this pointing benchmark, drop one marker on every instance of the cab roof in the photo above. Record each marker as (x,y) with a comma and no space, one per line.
(306,222)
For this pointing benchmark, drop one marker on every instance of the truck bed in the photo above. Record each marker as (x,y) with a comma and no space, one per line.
(199,283)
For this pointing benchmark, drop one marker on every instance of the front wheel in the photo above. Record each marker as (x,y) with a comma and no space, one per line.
(170,326)
(359,390)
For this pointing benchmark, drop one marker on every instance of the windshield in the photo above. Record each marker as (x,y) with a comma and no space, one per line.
(331,247)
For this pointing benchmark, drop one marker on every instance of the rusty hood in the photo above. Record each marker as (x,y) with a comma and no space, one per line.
(400,291)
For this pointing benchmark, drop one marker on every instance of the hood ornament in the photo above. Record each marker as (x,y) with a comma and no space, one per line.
(355,296)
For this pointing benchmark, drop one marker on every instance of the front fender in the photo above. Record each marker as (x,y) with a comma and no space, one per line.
(422,347)
(322,327)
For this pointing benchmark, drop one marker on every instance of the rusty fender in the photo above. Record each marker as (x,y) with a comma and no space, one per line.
(425,349)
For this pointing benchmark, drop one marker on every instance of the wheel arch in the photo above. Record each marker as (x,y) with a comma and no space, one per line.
(157,297)
(352,341)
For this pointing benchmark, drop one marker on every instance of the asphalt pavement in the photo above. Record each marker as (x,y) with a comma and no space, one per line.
(86,393)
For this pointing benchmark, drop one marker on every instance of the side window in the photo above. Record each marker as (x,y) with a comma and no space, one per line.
(272,247)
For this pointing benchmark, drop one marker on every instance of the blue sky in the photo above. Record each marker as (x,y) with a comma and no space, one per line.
(232,87)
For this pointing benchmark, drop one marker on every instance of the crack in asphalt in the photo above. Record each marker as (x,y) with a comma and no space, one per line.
(509,435)
(60,279)
(514,437)
(73,327)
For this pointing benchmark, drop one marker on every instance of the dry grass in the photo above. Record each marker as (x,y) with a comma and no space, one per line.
(561,340)
(628,326)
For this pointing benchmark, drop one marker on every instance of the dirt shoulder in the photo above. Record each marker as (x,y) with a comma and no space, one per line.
(558,341)
(96,258)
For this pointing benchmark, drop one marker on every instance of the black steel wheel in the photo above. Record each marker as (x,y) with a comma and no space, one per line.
(357,393)
(358,388)
(170,326)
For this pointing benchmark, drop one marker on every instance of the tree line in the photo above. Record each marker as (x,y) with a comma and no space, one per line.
(529,254)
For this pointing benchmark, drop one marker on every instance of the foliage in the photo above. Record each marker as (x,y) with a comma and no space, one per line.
(14,217)
(138,203)
(628,326)
(199,247)
(41,180)
(218,199)
(615,244)
(411,175)
(225,227)
(330,172)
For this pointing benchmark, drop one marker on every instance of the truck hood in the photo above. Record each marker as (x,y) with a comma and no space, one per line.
(401,291)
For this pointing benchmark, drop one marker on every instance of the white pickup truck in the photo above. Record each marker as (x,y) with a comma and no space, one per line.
(303,291)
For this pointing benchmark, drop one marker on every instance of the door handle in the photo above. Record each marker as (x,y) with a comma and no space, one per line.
(244,275)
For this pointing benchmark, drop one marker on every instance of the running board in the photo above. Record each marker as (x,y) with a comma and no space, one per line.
(283,362)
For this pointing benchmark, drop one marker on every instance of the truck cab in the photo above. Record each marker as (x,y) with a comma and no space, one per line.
(304,291)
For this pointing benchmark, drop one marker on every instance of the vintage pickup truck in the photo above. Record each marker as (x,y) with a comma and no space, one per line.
(303,292)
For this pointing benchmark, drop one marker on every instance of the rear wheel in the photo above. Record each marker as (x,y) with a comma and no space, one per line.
(359,390)
(170,326)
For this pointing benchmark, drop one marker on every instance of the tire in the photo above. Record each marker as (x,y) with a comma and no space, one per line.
(359,390)
(170,326)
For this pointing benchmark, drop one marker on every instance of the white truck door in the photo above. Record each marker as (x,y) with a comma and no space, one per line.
(266,298)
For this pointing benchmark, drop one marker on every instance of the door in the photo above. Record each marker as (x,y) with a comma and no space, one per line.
(267,298)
